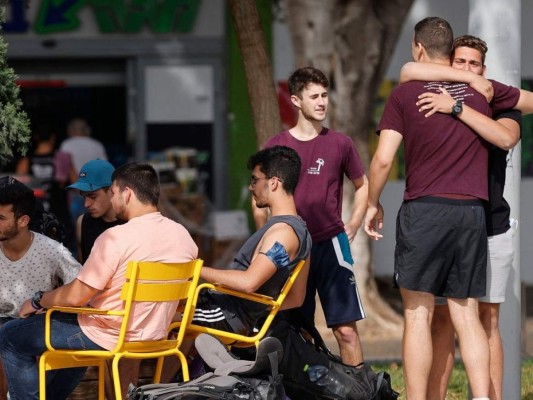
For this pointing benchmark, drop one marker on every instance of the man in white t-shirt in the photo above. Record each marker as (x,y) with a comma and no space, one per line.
(80,145)
(29,261)
(146,236)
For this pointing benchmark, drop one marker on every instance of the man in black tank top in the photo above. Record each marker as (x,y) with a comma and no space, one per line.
(93,183)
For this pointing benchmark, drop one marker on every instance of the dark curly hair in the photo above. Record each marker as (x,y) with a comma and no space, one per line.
(302,77)
(281,162)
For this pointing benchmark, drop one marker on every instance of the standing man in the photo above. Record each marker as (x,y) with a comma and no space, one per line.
(327,156)
(146,236)
(93,183)
(29,261)
(80,145)
(441,243)
(469,55)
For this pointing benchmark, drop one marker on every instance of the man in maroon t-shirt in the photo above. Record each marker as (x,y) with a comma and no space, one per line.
(468,65)
(441,239)
(327,156)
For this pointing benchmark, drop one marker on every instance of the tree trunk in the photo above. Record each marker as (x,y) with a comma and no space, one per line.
(352,42)
(257,69)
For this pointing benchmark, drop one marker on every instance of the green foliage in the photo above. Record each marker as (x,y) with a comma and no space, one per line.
(458,386)
(15,131)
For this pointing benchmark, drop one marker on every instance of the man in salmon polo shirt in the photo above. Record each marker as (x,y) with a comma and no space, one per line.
(146,236)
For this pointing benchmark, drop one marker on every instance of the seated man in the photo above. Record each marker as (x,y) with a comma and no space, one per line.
(93,183)
(264,261)
(147,236)
(29,261)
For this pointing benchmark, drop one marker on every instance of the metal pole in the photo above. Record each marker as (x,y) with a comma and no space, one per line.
(498,23)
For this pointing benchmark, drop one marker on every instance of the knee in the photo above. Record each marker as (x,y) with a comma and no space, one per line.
(489,316)
(346,333)
(441,320)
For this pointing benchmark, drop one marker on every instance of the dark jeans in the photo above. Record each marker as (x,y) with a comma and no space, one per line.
(22,340)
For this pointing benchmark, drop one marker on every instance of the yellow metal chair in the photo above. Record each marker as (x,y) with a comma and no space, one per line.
(235,339)
(146,282)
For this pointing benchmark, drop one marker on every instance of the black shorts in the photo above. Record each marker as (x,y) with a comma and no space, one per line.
(441,247)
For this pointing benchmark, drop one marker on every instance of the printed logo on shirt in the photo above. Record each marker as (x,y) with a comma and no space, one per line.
(316,170)
(457,90)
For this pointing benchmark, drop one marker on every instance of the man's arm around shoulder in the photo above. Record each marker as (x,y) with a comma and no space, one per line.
(525,102)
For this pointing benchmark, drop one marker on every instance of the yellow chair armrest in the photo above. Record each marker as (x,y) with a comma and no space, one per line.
(257,297)
(71,310)
(83,310)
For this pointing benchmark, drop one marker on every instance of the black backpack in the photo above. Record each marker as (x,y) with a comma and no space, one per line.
(231,379)
(341,381)
(47,223)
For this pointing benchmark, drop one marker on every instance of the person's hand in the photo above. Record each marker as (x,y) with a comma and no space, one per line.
(432,103)
(483,86)
(351,230)
(27,309)
(374,221)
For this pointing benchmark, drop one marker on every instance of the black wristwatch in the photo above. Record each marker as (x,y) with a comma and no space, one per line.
(457,108)
(36,300)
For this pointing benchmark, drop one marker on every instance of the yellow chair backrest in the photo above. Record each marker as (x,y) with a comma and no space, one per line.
(154,281)
(146,281)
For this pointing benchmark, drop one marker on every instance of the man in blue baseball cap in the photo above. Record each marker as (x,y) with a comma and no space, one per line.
(93,183)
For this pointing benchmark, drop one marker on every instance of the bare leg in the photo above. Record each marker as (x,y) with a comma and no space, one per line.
(349,344)
(417,350)
(473,343)
(172,365)
(443,339)
(129,373)
(490,319)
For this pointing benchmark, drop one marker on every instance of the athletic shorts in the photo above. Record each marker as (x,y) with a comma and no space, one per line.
(441,247)
(331,274)
(499,263)
(210,314)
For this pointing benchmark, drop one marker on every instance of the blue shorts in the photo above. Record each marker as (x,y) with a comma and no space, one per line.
(331,274)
